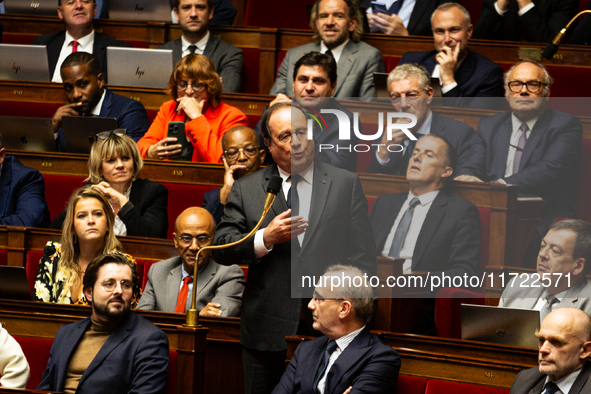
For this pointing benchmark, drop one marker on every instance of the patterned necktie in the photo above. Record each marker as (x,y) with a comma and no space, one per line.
(75,46)
(192,48)
(181,301)
(330,348)
(293,198)
(520,145)
(547,308)
(395,8)
(400,234)
(551,388)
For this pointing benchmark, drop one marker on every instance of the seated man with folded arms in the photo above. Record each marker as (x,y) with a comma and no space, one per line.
(14,368)
(242,156)
(348,358)
(170,282)
(79,36)
(565,347)
(403,17)
(410,92)
(84,87)
(114,350)
(22,193)
(564,261)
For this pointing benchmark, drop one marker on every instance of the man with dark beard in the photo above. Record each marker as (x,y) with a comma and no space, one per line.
(114,350)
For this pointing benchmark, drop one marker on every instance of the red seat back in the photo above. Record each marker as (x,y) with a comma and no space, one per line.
(144,276)
(3,257)
(250,71)
(411,384)
(58,189)
(36,350)
(265,13)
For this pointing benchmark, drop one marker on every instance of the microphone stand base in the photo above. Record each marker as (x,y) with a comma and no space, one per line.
(192,318)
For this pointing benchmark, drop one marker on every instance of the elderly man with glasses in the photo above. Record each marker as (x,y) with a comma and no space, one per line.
(170,282)
(531,146)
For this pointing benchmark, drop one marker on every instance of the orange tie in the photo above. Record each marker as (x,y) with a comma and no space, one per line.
(75,46)
(181,302)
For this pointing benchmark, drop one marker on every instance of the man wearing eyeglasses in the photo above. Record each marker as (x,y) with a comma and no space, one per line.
(411,93)
(170,282)
(114,350)
(536,148)
(242,156)
(83,84)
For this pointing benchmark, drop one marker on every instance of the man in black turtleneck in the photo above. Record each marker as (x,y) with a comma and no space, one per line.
(114,350)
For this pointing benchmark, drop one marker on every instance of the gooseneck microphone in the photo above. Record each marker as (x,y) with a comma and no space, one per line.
(552,46)
(274,186)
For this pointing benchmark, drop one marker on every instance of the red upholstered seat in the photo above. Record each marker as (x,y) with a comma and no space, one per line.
(411,384)
(39,110)
(58,189)
(14,38)
(3,257)
(36,351)
(250,71)
(144,276)
(445,387)
(473,7)
(280,14)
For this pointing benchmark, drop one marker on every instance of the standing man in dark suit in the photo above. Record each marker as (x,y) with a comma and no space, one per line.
(565,346)
(114,350)
(22,193)
(536,148)
(529,20)
(404,17)
(330,224)
(242,156)
(410,92)
(348,356)
(194,17)
(338,29)
(83,85)
(462,73)
(79,36)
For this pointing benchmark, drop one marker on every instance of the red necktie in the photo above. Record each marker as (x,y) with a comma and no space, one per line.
(181,302)
(75,46)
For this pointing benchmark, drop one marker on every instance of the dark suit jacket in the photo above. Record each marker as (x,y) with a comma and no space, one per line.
(130,114)
(134,359)
(582,34)
(540,24)
(449,240)
(367,364)
(226,58)
(476,77)
(144,215)
(459,134)
(531,381)
(55,41)
(22,195)
(211,202)
(339,228)
(224,12)
(420,18)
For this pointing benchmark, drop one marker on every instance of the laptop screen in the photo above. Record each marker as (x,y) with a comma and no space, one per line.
(139,67)
(24,62)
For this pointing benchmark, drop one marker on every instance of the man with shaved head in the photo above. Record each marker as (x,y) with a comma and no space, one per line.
(565,346)
(170,282)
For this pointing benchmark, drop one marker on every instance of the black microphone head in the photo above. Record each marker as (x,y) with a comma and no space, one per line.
(550,50)
(274,185)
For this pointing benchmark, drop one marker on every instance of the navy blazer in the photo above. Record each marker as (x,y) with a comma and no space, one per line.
(130,114)
(134,359)
(367,364)
(22,195)
(476,77)
(449,239)
(54,42)
(459,134)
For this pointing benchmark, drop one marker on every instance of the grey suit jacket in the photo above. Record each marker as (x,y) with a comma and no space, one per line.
(355,69)
(216,283)
(523,295)
(531,381)
(226,58)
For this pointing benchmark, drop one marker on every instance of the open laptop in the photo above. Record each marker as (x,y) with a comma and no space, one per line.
(505,326)
(31,7)
(80,131)
(149,68)
(140,10)
(24,62)
(13,283)
(33,134)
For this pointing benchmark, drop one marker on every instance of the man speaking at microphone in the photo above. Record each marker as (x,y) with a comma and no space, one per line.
(319,218)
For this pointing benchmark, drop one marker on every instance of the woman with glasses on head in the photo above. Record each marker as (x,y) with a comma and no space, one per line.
(87,233)
(139,205)
(196,90)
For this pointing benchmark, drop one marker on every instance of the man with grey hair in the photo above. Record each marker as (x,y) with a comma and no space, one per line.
(410,92)
(461,73)
(348,356)
(531,146)
(564,260)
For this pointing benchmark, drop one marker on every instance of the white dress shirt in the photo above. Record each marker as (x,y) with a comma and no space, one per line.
(567,382)
(201,44)
(85,44)
(520,12)
(336,52)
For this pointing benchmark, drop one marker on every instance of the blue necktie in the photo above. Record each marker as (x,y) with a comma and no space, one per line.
(395,8)
(293,198)
(330,348)
(551,388)
(402,229)
(520,145)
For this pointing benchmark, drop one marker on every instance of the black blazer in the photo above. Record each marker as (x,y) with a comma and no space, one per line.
(582,34)
(531,381)
(144,215)
(211,202)
(449,240)
(420,18)
(55,41)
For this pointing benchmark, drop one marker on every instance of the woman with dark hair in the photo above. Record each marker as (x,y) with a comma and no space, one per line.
(196,91)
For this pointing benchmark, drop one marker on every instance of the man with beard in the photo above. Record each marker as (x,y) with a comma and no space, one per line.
(194,17)
(114,350)
(83,85)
